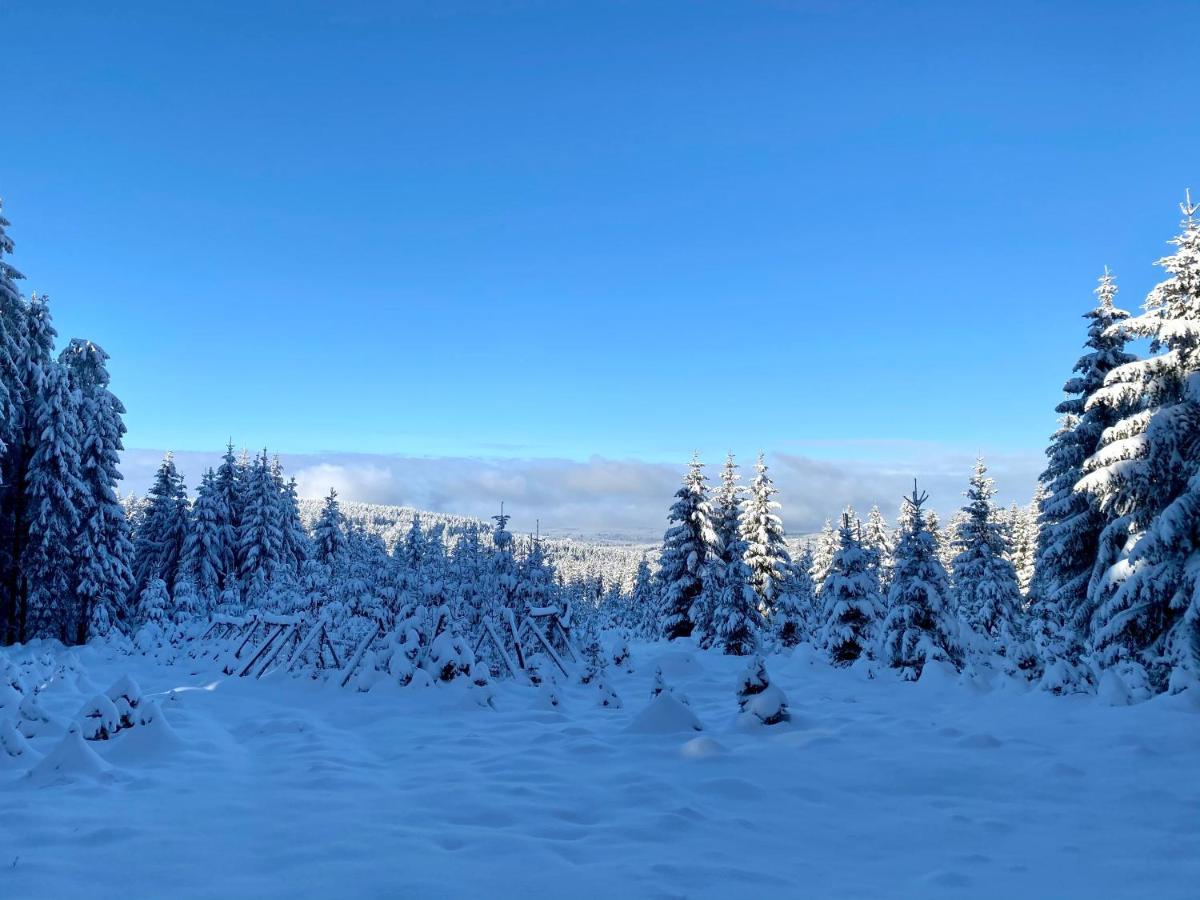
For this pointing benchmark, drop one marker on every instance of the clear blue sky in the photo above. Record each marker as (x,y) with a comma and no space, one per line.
(626,228)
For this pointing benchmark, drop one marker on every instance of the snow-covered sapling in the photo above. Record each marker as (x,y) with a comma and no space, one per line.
(99,719)
(126,696)
(758,697)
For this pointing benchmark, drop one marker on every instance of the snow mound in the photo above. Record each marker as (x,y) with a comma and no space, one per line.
(154,738)
(1112,690)
(73,759)
(702,748)
(665,715)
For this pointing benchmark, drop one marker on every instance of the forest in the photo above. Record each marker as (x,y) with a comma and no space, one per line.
(1095,582)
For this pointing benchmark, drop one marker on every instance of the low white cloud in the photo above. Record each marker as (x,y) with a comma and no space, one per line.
(616,497)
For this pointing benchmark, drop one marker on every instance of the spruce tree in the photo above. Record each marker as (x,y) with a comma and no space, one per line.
(795,608)
(329,533)
(208,555)
(877,544)
(761,533)
(1070,520)
(54,495)
(103,550)
(12,408)
(1145,477)
(920,626)
(644,601)
(690,552)
(727,507)
(823,548)
(736,621)
(986,592)
(850,598)
(160,537)
(261,536)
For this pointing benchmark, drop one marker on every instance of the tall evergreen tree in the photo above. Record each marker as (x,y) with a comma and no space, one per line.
(160,537)
(795,608)
(761,533)
(920,626)
(329,533)
(850,596)
(644,601)
(823,548)
(1145,476)
(736,621)
(261,536)
(690,552)
(208,555)
(12,407)
(727,507)
(1070,520)
(55,494)
(877,545)
(986,592)
(103,551)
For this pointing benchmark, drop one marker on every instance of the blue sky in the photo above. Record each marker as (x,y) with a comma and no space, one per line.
(574,230)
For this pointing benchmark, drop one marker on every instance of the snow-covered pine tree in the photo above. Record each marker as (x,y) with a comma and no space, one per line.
(329,533)
(54,495)
(644,601)
(297,546)
(736,621)
(499,591)
(850,598)
(986,592)
(535,579)
(408,560)
(761,533)
(727,506)
(690,551)
(795,608)
(1145,476)
(159,540)
(103,551)
(920,626)
(229,484)
(208,554)
(260,538)
(1070,520)
(12,405)
(1025,538)
(34,335)
(823,548)
(877,544)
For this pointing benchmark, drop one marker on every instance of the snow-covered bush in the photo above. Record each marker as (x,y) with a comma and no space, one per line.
(99,720)
(758,698)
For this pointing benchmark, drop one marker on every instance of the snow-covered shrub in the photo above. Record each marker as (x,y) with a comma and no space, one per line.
(620,655)
(126,696)
(99,720)
(607,696)
(758,698)
(33,719)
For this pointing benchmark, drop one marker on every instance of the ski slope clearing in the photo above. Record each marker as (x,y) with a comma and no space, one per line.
(228,787)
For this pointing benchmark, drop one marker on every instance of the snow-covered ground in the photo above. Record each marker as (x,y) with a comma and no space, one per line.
(285,788)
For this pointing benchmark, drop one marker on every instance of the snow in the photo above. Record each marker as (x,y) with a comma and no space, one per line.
(284,787)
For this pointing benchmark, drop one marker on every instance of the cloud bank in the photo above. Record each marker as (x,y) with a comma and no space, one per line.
(617,498)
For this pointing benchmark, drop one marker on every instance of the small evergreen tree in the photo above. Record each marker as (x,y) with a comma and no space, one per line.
(920,626)
(761,533)
(985,583)
(160,537)
(851,599)
(689,554)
